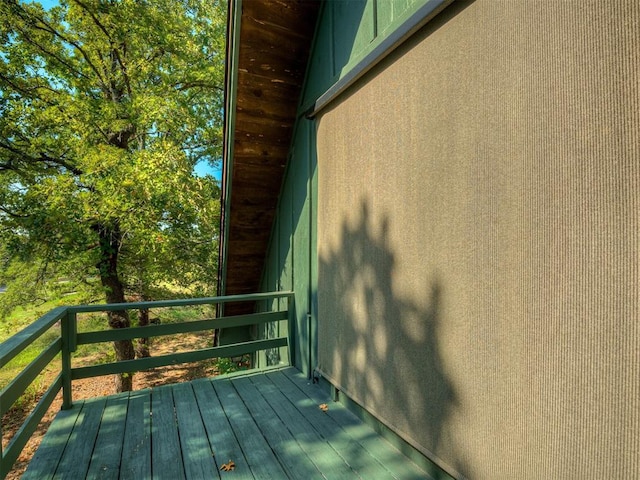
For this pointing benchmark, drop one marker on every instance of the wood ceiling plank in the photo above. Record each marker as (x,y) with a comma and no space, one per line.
(275,38)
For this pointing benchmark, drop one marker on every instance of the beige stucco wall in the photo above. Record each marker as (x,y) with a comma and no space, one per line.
(478,240)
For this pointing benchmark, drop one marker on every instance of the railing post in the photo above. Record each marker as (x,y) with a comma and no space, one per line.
(1,449)
(291,330)
(69,332)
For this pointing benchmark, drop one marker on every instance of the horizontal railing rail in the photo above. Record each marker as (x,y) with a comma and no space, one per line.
(68,339)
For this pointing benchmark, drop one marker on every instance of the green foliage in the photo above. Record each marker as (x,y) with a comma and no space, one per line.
(226,365)
(105,109)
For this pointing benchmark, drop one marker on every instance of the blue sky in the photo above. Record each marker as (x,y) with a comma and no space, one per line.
(203,168)
(49,3)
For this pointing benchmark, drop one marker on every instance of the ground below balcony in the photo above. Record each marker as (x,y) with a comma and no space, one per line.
(268,424)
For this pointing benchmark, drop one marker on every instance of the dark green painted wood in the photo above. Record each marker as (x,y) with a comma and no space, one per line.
(325,425)
(388,14)
(261,421)
(384,452)
(173,328)
(271,282)
(68,341)
(320,74)
(342,416)
(285,255)
(77,455)
(349,31)
(313,282)
(22,436)
(237,333)
(197,454)
(186,302)
(72,320)
(327,460)
(288,263)
(176,358)
(258,453)
(21,340)
(285,258)
(19,384)
(165,446)
(221,437)
(67,332)
(353,30)
(287,448)
(45,461)
(107,454)
(136,448)
(299,178)
(401,28)
(433,471)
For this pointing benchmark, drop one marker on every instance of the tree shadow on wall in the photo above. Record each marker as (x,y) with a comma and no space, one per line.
(381,343)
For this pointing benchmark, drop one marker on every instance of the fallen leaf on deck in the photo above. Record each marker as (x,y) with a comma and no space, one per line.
(324,407)
(227,467)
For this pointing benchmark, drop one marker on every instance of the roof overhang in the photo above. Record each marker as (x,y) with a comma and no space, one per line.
(268,43)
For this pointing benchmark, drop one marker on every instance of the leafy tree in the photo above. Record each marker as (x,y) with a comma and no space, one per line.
(105,108)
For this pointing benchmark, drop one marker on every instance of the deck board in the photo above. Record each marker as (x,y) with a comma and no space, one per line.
(326,427)
(268,424)
(261,459)
(136,449)
(196,450)
(46,459)
(165,441)
(289,452)
(77,454)
(328,460)
(221,437)
(105,459)
(382,451)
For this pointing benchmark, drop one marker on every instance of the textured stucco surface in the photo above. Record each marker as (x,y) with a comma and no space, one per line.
(479,240)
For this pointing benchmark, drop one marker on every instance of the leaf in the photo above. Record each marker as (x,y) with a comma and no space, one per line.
(228,467)
(324,407)
(93,148)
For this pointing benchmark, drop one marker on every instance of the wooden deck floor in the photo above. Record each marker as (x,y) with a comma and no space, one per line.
(269,424)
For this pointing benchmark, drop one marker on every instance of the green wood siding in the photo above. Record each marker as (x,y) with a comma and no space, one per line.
(299,179)
(313,227)
(291,253)
(347,31)
(285,256)
(354,28)
(273,277)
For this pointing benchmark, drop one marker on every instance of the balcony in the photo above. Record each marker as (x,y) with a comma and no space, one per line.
(263,423)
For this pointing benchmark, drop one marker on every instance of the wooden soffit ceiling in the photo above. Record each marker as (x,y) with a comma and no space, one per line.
(273,48)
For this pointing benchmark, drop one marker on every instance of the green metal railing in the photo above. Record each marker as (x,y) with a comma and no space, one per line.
(68,339)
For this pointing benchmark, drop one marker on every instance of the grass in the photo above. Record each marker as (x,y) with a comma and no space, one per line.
(20,318)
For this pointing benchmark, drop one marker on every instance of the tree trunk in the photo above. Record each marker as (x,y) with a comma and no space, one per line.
(123,348)
(110,242)
(142,348)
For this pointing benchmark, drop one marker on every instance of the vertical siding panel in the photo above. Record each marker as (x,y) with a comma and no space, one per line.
(353,31)
(299,176)
(272,276)
(313,227)
(285,252)
(321,73)
(288,262)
